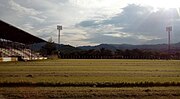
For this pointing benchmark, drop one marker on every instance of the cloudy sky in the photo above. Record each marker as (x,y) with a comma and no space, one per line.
(91,22)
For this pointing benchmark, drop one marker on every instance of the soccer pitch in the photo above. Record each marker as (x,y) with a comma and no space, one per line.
(99,75)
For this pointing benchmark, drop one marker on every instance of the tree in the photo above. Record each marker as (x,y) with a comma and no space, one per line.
(119,53)
(105,52)
(49,48)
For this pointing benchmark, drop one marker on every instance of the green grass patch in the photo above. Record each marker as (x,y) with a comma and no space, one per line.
(91,71)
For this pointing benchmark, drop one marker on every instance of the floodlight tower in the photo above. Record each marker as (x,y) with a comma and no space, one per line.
(59,28)
(169,30)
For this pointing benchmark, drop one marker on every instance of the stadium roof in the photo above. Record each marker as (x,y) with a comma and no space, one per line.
(15,34)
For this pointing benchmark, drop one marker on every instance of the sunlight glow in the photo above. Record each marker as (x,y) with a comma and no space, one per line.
(166,4)
(159,4)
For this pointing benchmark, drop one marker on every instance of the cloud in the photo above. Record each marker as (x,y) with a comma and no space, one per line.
(38,19)
(120,35)
(22,10)
(44,15)
(139,24)
(28,27)
(98,38)
(89,22)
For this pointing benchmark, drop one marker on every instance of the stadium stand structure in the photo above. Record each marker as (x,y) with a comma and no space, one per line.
(14,44)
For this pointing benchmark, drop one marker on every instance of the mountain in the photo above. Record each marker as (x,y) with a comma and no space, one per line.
(106,46)
(177,46)
(63,48)
(37,46)
(67,49)
(113,47)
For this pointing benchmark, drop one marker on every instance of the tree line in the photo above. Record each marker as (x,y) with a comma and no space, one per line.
(119,54)
(69,52)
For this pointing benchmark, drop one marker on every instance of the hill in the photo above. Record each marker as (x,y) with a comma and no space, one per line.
(63,48)
(113,47)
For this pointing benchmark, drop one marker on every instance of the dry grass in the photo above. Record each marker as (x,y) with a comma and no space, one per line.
(91,74)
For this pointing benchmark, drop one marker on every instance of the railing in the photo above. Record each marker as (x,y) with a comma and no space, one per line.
(118,57)
(24,53)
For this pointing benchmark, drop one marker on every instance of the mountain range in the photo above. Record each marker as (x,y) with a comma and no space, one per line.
(113,47)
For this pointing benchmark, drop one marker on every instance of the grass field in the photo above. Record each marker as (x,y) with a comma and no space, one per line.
(91,78)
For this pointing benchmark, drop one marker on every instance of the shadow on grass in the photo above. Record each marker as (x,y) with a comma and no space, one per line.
(89,84)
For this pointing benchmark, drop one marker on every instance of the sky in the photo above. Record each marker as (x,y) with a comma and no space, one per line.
(92,22)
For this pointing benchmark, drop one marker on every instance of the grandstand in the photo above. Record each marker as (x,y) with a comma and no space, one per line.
(14,44)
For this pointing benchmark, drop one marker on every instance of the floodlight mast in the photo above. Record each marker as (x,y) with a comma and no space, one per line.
(59,28)
(169,30)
